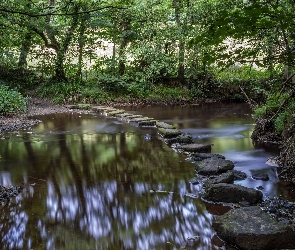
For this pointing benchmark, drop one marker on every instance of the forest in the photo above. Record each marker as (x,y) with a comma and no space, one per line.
(151,51)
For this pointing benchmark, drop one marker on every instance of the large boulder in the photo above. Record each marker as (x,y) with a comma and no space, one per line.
(213,166)
(232,193)
(251,228)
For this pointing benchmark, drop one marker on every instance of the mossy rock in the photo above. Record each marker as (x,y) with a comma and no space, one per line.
(196,148)
(164,125)
(149,123)
(83,106)
(169,133)
(115,112)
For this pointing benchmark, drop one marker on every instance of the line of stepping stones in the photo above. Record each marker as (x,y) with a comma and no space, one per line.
(219,187)
(169,133)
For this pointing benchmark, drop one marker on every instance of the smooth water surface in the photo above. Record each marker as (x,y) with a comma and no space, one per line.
(88,179)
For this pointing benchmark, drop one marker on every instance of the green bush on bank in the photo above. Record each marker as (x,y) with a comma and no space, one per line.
(11,101)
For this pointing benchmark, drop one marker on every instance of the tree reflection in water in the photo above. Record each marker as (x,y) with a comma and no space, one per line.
(88,181)
(91,180)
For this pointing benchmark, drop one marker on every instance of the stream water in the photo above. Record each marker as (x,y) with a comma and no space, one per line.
(88,179)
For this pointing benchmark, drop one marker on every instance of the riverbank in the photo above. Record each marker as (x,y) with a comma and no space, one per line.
(35,107)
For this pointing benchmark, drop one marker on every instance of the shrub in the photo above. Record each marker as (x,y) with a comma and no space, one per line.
(11,101)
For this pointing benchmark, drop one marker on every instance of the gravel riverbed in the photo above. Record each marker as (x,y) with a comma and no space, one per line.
(35,107)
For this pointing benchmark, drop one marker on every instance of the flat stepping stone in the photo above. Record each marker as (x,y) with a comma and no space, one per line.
(115,113)
(169,133)
(252,228)
(213,166)
(100,108)
(196,148)
(128,117)
(140,119)
(84,106)
(165,125)
(227,177)
(149,123)
(203,156)
(182,139)
(123,115)
(71,106)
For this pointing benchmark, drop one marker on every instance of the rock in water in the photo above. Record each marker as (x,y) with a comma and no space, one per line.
(251,228)
(232,193)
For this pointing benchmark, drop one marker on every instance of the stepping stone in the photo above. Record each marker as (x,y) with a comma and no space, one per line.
(140,119)
(128,117)
(150,123)
(100,108)
(196,148)
(169,133)
(213,166)
(251,228)
(84,106)
(232,193)
(182,139)
(164,125)
(115,113)
(73,106)
(123,115)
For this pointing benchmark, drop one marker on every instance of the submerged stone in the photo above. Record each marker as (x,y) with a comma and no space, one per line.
(169,133)
(239,175)
(251,228)
(260,176)
(232,193)
(213,166)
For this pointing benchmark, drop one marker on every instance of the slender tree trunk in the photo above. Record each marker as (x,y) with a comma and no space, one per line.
(181,45)
(61,52)
(124,41)
(81,43)
(25,48)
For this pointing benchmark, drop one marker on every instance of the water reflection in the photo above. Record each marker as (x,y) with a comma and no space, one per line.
(91,190)
(88,180)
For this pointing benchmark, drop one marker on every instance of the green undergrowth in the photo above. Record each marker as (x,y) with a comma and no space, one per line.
(11,101)
(111,90)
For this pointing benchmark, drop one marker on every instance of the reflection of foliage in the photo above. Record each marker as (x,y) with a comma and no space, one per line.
(98,184)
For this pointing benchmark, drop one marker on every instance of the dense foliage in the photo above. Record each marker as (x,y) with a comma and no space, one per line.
(100,51)
(11,101)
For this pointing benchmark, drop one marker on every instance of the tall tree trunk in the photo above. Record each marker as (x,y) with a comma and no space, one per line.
(81,43)
(181,45)
(61,52)
(124,41)
(25,48)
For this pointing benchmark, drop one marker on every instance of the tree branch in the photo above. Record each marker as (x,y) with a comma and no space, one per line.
(53,13)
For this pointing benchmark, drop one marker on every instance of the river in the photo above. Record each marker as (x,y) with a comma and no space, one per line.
(88,179)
